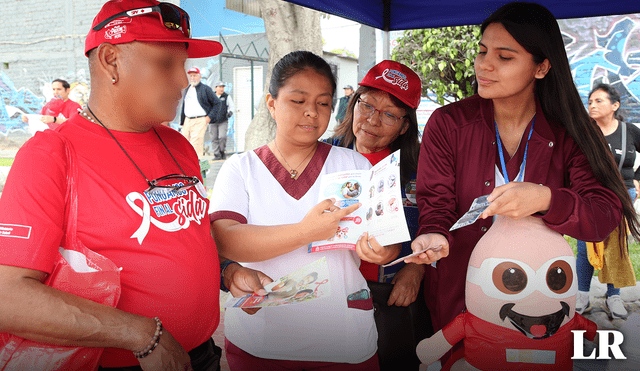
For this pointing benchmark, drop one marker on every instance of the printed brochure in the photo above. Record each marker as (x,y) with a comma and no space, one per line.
(307,283)
(381,213)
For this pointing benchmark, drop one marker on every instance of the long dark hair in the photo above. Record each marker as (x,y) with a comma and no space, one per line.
(536,29)
(613,95)
(408,141)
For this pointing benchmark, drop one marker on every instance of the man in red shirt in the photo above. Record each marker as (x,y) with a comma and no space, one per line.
(60,108)
(140,203)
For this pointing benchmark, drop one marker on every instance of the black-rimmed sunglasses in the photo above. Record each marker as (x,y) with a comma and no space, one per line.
(171,16)
(160,186)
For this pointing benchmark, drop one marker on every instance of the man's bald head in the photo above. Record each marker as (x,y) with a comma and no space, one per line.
(144,79)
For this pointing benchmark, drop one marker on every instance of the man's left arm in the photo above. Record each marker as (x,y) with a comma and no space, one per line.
(231,108)
(214,105)
(240,281)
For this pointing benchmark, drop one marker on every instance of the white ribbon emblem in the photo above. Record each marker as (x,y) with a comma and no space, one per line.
(145,213)
(395,77)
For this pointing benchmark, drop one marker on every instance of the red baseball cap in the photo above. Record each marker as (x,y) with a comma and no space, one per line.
(193,70)
(396,79)
(124,21)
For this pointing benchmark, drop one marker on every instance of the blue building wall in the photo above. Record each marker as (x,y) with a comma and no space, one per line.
(210,17)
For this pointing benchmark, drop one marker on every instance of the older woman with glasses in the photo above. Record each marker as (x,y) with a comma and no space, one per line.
(380,119)
(140,204)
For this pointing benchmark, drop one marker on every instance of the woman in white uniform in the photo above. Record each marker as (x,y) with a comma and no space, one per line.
(265,214)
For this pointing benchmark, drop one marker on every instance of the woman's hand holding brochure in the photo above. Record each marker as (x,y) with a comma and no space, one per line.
(379,193)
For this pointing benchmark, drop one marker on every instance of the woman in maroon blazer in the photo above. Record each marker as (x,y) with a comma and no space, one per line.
(526,140)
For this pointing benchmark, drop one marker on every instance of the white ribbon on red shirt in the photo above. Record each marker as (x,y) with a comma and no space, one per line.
(145,213)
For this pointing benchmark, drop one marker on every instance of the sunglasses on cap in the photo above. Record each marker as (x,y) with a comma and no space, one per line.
(171,17)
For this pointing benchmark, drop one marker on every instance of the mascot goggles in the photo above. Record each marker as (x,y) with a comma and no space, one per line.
(509,279)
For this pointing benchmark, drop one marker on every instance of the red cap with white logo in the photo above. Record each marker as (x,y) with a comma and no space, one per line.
(396,79)
(193,70)
(124,21)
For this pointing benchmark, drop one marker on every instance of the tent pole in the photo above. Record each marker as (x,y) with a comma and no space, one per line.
(385,45)
(386,14)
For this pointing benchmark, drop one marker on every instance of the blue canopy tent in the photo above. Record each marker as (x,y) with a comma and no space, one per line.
(389,15)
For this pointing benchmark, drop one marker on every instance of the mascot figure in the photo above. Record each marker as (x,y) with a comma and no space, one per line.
(520,296)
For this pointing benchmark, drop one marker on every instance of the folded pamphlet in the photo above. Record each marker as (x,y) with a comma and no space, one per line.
(381,213)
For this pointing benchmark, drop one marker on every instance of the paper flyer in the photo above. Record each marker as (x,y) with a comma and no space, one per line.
(381,213)
(479,205)
(307,283)
(401,259)
(35,125)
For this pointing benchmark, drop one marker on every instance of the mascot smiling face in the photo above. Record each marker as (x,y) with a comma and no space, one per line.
(522,276)
(520,296)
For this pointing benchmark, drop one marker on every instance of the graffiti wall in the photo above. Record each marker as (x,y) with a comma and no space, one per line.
(19,101)
(15,102)
(606,49)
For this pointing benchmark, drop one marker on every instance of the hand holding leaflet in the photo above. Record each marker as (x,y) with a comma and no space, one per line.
(381,214)
(399,260)
(307,283)
(477,207)
(35,124)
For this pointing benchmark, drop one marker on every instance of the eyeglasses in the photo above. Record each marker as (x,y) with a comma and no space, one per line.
(385,117)
(171,17)
(171,183)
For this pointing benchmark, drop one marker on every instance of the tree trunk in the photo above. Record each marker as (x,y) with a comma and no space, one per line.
(289,27)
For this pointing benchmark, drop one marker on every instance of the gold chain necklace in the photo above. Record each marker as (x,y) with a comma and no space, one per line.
(292,171)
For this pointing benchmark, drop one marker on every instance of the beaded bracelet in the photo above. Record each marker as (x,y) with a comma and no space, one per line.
(223,267)
(154,342)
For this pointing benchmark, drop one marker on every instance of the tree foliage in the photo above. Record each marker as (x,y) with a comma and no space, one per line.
(443,58)
(342,51)
(288,27)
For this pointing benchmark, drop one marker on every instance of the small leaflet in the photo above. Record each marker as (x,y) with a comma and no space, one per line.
(479,205)
(310,282)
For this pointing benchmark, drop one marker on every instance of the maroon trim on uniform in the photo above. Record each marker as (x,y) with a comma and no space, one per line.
(364,304)
(296,188)
(225,214)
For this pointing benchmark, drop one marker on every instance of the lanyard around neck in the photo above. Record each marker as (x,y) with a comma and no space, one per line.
(524,161)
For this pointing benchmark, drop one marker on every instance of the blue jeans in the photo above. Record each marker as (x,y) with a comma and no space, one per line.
(584,269)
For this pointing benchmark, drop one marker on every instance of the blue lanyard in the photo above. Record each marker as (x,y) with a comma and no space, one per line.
(524,161)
